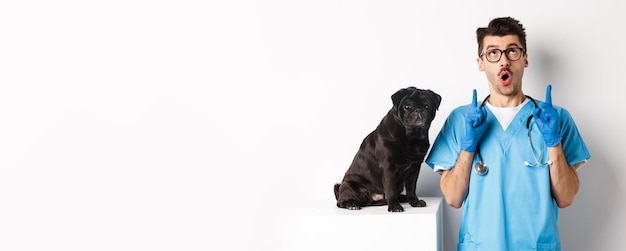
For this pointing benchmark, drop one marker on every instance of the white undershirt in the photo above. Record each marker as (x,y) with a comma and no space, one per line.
(505,115)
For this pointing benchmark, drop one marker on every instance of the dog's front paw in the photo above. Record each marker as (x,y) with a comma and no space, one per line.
(417,203)
(395,207)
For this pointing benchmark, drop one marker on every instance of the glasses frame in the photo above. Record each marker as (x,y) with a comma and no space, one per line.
(503,52)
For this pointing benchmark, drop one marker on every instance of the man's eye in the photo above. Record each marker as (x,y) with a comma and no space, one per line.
(493,52)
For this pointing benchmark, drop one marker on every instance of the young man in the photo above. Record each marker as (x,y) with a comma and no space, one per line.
(511,160)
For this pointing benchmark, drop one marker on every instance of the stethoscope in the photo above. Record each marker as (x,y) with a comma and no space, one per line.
(481,168)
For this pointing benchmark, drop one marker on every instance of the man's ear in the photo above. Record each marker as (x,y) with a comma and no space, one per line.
(526,60)
(480,64)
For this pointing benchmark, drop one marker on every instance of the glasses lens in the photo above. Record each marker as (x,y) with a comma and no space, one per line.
(493,55)
(513,53)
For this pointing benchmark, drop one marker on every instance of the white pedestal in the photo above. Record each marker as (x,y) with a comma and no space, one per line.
(327,227)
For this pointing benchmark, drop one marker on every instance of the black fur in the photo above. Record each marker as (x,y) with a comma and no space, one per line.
(390,157)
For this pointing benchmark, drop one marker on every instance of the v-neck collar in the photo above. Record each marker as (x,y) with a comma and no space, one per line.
(518,123)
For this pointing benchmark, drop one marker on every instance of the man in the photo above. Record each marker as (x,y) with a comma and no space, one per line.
(511,160)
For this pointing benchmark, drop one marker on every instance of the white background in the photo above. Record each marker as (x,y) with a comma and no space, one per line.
(191,125)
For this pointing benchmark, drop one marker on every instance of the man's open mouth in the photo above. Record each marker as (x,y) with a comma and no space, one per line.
(504,76)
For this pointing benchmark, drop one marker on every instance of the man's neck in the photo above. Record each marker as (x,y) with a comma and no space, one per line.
(506,101)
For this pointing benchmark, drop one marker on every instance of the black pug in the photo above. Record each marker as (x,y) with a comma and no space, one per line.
(390,157)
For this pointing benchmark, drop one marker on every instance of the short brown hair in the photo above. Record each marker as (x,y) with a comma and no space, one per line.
(501,27)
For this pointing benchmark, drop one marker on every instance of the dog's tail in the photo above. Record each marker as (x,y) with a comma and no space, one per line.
(337,191)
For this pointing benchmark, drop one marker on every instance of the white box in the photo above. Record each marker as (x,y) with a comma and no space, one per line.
(325,227)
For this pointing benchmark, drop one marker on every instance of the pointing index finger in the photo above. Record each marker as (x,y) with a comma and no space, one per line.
(474,103)
(549,94)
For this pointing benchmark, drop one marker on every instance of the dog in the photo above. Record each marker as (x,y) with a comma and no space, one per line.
(390,157)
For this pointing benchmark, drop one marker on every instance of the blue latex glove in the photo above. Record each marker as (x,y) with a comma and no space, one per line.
(548,120)
(475,126)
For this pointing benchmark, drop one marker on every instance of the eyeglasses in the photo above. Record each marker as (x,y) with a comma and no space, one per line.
(494,55)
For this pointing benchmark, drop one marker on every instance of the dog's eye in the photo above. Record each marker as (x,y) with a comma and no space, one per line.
(407,107)
(426,107)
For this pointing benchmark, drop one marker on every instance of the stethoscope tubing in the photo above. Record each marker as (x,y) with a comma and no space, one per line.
(481,168)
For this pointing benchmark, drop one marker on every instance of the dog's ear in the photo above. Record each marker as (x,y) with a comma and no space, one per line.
(435,98)
(397,97)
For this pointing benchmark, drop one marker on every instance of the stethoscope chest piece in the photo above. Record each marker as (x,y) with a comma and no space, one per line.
(481,168)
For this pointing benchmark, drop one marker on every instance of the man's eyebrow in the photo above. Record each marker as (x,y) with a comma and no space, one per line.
(514,45)
(490,47)
(508,46)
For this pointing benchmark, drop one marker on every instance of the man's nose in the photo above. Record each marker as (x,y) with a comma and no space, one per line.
(504,61)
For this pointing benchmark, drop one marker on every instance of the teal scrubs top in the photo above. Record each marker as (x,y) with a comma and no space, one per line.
(510,207)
